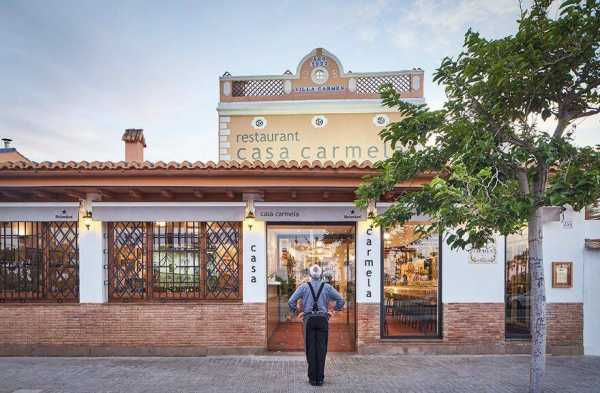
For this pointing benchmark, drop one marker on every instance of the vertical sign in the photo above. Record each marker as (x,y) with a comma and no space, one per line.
(368,263)
(255,263)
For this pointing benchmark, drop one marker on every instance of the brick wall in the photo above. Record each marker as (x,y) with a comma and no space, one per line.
(217,328)
(565,328)
(96,329)
(473,323)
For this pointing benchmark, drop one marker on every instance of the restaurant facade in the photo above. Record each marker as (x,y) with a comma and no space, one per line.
(180,258)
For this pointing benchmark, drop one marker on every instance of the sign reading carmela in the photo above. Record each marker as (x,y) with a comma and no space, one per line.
(319,113)
(485,254)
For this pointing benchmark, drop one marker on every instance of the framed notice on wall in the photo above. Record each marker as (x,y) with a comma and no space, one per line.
(562,274)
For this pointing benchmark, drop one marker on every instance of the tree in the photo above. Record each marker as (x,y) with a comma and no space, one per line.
(496,165)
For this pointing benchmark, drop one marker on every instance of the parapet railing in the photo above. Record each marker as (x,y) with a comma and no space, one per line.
(407,83)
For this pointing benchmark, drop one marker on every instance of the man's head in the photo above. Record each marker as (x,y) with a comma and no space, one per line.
(315,272)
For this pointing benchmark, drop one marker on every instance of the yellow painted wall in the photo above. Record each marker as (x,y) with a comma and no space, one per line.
(345,137)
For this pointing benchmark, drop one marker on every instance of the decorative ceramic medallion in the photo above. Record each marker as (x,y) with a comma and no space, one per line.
(319,121)
(319,75)
(258,123)
(381,120)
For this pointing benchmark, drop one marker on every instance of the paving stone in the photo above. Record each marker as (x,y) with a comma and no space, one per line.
(28,391)
(287,373)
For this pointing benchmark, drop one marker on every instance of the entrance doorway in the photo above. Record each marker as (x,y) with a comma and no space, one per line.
(291,250)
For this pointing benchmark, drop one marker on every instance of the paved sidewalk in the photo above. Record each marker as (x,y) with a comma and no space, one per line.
(344,373)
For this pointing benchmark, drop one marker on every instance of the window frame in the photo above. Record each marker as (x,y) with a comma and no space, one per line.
(588,211)
(440,333)
(516,336)
(150,294)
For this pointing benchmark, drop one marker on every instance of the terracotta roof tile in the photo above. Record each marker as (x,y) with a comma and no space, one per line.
(173,165)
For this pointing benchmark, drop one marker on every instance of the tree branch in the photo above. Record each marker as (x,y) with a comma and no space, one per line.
(523,181)
(563,122)
(589,113)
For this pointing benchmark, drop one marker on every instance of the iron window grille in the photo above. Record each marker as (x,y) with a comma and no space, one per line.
(372,84)
(39,261)
(174,261)
(258,88)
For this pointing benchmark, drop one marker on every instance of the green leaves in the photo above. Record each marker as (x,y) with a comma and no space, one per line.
(494,162)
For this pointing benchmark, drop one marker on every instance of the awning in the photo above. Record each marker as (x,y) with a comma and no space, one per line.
(34,211)
(168,211)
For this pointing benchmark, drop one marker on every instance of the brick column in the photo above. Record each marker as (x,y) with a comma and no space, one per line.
(565,328)
(367,325)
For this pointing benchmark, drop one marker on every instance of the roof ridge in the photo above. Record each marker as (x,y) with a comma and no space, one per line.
(183,165)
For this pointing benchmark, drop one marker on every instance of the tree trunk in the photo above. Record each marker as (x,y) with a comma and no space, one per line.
(538,302)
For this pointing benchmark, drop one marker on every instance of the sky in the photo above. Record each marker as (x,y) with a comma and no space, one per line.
(75,74)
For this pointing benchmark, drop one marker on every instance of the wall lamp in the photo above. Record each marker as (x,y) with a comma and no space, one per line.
(250,219)
(85,207)
(371,213)
(87,219)
(250,215)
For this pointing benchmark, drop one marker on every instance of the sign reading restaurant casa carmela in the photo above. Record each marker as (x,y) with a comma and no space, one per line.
(319,113)
(335,137)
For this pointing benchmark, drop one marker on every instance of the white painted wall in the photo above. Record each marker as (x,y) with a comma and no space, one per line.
(466,282)
(591,293)
(255,262)
(564,242)
(368,263)
(91,264)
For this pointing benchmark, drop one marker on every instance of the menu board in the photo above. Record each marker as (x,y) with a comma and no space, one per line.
(562,274)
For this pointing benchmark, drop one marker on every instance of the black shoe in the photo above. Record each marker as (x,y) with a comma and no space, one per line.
(320,383)
(313,383)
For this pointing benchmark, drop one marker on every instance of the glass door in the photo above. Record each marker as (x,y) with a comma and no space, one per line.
(292,249)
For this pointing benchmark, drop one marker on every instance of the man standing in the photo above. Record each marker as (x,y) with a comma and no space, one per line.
(315,296)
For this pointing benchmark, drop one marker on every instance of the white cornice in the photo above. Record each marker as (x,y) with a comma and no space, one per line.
(39,204)
(169,204)
(343,75)
(307,107)
(305,204)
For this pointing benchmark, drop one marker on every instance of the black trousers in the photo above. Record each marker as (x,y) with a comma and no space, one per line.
(316,331)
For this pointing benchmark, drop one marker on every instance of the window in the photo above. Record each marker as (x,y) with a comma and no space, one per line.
(39,261)
(174,260)
(411,266)
(517,286)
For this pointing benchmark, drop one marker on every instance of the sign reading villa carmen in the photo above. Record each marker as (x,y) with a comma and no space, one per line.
(326,132)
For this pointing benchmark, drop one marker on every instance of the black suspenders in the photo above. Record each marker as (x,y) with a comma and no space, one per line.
(315,298)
